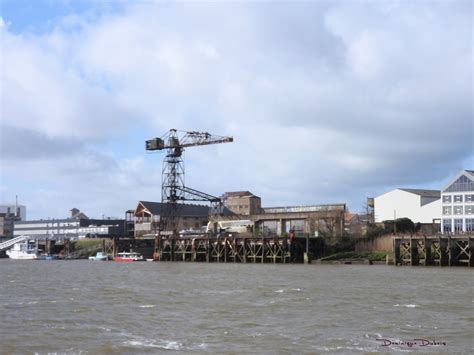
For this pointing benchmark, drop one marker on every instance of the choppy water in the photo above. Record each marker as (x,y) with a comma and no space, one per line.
(107,307)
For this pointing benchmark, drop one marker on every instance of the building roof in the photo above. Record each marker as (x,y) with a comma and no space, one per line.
(187,210)
(468,173)
(160,208)
(424,193)
(299,209)
(238,194)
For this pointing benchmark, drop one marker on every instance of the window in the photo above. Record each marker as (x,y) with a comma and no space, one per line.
(469,224)
(446,198)
(457,209)
(458,225)
(461,184)
(446,225)
(469,209)
(446,210)
(469,198)
(457,198)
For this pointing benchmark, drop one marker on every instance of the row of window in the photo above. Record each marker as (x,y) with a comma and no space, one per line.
(458,225)
(448,210)
(457,198)
(45,231)
(238,206)
(45,225)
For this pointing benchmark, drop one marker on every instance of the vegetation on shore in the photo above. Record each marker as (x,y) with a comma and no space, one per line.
(86,247)
(370,255)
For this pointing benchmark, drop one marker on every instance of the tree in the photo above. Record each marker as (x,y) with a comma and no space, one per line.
(403,225)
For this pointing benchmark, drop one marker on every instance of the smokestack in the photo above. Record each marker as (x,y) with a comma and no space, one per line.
(16,206)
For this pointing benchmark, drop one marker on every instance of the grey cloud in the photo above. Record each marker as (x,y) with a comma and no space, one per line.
(22,143)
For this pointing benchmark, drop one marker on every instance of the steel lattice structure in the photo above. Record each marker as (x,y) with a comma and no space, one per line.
(173,189)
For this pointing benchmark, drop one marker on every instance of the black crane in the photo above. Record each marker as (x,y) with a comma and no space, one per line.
(173,189)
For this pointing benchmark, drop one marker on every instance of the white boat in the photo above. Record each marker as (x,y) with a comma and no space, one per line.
(23,251)
(129,257)
(99,257)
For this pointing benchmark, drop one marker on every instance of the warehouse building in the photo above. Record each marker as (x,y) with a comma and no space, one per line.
(77,226)
(421,206)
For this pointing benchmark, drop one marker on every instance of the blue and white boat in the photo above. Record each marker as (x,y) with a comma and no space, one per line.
(99,257)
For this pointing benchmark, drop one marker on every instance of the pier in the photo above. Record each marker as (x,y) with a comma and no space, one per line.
(229,249)
(441,250)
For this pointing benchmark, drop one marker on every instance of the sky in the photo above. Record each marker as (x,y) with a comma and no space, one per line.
(327,101)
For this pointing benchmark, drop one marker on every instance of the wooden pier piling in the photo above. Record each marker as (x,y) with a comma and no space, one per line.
(434,250)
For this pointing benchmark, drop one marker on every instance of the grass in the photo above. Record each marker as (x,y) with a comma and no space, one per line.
(86,243)
(371,255)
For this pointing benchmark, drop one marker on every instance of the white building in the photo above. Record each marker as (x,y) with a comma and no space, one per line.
(421,206)
(458,203)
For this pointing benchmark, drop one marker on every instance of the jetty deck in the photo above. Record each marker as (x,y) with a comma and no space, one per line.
(441,250)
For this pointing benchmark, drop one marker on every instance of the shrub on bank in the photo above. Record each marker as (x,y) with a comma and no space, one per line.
(370,255)
(86,244)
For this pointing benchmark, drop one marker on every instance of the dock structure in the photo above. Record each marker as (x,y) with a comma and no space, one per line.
(440,250)
(235,249)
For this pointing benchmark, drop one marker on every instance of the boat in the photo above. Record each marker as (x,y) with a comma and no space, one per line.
(100,256)
(23,251)
(129,257)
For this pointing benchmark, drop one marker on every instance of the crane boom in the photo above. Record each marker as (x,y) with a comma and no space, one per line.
(189,139)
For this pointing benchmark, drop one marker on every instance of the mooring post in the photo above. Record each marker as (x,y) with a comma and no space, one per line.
(443,251)
(451,252)
(471,253)
(428,255)
(193,250)
(225,249)
(66,247)
(172,246)
(307,259)
(397,256)
(275,249)
(235,245)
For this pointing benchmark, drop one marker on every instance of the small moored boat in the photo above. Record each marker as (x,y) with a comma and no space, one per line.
(128,257)
(23,251)
(99,257)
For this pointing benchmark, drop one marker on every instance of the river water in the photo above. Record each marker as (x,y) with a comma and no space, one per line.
(107,307)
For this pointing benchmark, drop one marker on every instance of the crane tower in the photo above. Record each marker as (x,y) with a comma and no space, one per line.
(173,189)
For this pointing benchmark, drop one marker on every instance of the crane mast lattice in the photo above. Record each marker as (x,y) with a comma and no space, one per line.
(173,189)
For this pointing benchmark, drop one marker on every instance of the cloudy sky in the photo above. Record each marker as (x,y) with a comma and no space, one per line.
(327,102)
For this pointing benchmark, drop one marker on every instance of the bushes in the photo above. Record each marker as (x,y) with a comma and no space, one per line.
(403,225)
(370,255)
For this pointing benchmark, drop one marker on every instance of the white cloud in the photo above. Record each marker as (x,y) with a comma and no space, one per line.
(327,102)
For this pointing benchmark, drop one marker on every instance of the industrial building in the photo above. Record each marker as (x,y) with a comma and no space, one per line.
(150,217)
(421,206)
(9,214)
(243,203)
(77,226)
(315,220)
(458,203)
